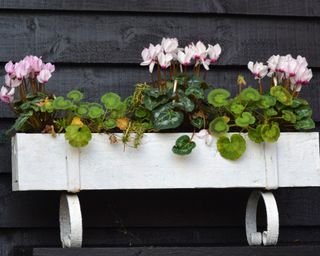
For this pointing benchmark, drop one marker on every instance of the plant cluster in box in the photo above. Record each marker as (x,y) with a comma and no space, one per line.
(177,98)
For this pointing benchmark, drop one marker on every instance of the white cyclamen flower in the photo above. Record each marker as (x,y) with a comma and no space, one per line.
(214,52)
(169,45)
(149,56)
(6,94)
(258,69)
(185,57)
(164,60)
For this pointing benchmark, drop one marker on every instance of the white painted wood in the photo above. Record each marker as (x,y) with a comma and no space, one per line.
(70,221)
(40,162)
(270,236)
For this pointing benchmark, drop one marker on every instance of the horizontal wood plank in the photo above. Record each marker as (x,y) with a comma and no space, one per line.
(95,80)
(20,241)
(155,208)
(269,7)
(310,250)
(115,38)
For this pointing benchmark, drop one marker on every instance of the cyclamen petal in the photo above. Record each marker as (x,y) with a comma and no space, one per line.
(49,66)
(9,67)
(6,95)
(44,76)
(12,82)
(169,45)
(258,69)
(214,52)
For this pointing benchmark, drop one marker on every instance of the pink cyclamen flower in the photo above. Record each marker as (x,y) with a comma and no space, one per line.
(49,67)
(149,56)
(164,60)
(214,52)
(35,64)
(10,82)
(184,57)
(258,69)
(44,76)
(21,69)
(6,94)
(303,76)
(282,65)
(9,67)
(169,45)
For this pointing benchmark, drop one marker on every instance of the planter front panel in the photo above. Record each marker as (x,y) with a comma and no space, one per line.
(41,162)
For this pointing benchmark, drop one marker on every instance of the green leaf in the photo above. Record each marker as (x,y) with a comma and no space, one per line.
(250,94)
(82,109)
(232,148)
(196,91)
(303,112)
(197,122)
(245,120)
(110,124)
(111,100)
(141,112)
(95,111)
(305,124)
(78,136)
(289,116)
(218,97)
(153,92)
(167,119)
(151,103)
(267,101)
(270,133)
(119,112)
(297,102)
(218,126)
(20,121)
(185,104)
(237,108)
(271,112)
(75,95)
(282,95)
(60,103)
(184,145)
(255,134)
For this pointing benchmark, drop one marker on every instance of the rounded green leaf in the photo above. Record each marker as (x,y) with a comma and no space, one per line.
(289,116)
(218,126)
(77,135)
(245,120)
(237,108)
(82,110)
(196,91)
(141,112)
(218,97)
(95,111)
(297,102)
(270,133)
(60,103)
(303,112)
(232,148)
(110,124)
(305,124)
(267,101)
(271,112)
(282,95)
(184,145)
(75,95)
(111,100)
(197,122)
(255,134)
(250,94)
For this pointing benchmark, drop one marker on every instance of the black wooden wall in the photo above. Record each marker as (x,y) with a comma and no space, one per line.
(96,47)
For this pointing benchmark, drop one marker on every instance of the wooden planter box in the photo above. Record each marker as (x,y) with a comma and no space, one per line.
(40,162)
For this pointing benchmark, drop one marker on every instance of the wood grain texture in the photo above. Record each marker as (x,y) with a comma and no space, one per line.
(115,38)
(311,250)
(268,7)
(19,242)
(156,208)
(95,80)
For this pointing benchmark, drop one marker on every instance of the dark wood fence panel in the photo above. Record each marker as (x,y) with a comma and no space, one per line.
(96,47)
(247,7)
(119,38)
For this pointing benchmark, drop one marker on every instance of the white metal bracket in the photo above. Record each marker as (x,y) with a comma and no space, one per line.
(269,237)
(70,221)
